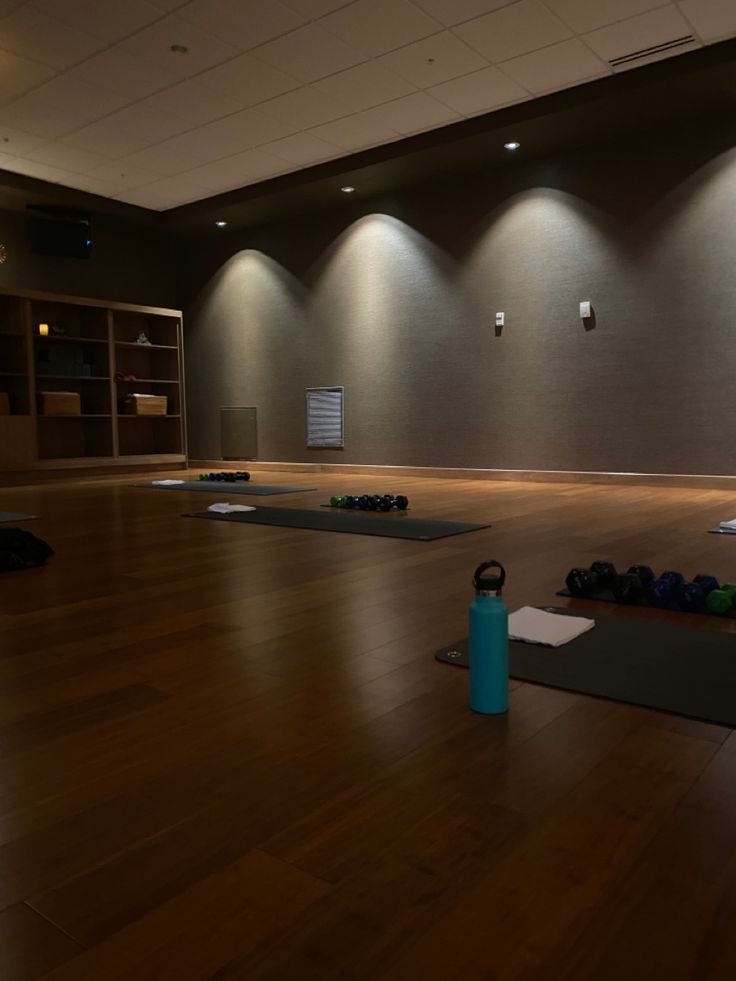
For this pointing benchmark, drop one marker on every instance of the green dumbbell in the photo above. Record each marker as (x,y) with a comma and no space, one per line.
(720,601)
(334,502)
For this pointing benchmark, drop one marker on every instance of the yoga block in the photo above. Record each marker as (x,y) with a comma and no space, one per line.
(4,404)
(146,405)
(59,404)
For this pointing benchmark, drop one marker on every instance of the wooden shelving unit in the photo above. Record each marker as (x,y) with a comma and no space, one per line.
(96,350)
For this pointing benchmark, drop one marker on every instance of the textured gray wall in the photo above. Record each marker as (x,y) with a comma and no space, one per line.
(395,300)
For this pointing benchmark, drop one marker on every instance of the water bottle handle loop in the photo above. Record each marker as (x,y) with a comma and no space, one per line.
(487,583)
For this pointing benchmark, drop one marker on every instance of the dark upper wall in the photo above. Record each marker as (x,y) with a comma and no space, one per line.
(130,262)
(395,300)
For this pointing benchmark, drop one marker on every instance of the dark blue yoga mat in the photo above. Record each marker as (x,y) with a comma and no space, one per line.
(353,522)
(12,516)
(224,488)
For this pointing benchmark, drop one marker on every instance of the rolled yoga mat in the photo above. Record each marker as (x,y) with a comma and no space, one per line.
(671,667)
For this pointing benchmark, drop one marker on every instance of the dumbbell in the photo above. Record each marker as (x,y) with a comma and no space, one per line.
(606,572)
(644,572)
(581,582)
(203,476)
(721,600)
(242,475)
(350,502)
(334,502)
(660,592)
(363,502)
(690,596)
(627,588)
(709,583)
(402,502)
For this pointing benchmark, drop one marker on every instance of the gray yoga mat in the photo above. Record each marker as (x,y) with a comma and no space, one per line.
(722,531)
(353,522)
(222,488)
(12,516)
(659,665)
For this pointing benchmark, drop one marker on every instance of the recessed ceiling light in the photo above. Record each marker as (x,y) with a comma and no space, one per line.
(347,189)
(181,49)
(512,145)
(221,224)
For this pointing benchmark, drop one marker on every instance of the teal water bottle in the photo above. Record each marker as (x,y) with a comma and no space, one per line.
(488,641)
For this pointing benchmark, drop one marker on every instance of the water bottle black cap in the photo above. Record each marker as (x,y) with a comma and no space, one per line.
(489,582)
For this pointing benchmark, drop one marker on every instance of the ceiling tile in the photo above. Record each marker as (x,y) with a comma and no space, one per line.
(247,81)
(638,33)
(556,67)
(301,148)
(415,113)
(245,129)
(92,185)
(19,75)
(31,34)
(237,170)
(480,92)
(582,15)
(175,190)
(192,103)
(190,145)
(17,143)
(513,30)
(133,77)
(66,157)
(356,132)
(161,160)
(42,172)
(75,95)
(305,107)
(309,53)
(435,59)
(712,19)
(123,175)
(142,198)
(38,119)
(149,124)
(378,26)
(107,21)
(316,8)
(154,44)
(244,23)
(450,12)
(364,86)
(105,140)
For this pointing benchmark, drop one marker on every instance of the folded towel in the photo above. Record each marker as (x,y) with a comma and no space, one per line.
(165,483)
(727,524)
(551,629)
(226,508)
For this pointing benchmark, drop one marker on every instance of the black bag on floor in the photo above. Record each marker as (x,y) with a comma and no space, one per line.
(20,549)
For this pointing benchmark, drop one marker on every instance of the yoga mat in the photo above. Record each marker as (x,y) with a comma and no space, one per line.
(671,667)
(12,516)
(353,522)
(606,596)
(223,488)
(722,531)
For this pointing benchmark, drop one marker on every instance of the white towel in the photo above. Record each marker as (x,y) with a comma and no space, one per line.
(225,508)
(551,629)
(727,524)
(166,483)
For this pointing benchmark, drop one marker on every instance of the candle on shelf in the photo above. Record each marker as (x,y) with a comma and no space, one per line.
(43,330)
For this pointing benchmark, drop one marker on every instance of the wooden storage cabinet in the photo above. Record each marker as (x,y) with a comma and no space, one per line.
(90,348)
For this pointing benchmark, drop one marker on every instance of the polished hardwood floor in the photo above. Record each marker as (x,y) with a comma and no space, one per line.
(227,752)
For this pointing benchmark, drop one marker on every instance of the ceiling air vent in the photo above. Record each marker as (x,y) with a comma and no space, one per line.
(626,59)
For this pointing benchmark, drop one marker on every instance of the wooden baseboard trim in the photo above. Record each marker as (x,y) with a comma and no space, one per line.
(15,478)
(708,481)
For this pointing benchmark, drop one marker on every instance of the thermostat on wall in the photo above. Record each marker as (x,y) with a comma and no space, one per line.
(500,319)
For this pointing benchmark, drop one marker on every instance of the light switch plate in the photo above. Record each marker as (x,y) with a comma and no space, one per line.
(500,317)
(584,309)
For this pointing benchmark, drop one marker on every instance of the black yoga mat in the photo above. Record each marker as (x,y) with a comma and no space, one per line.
(353,522)
(12,516)
(224,488)
(722,531)
(659,665)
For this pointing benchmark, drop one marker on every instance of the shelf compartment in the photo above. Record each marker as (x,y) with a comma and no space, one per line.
(63,437)
(95,398)
(86,322)
(79,358)
(16,388)
(161,331)
(151,435)
(12,354)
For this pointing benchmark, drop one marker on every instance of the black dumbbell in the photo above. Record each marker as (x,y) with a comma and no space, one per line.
(709,583)
(402,502)
(691,596)
(581,582)
(644,572)
(627,588)
(606,572)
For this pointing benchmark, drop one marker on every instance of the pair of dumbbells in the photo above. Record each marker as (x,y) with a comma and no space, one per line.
(627,587)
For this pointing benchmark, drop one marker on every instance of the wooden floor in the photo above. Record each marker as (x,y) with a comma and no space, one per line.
(228,753)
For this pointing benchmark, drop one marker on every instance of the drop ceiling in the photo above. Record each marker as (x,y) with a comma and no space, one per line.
(159,103)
